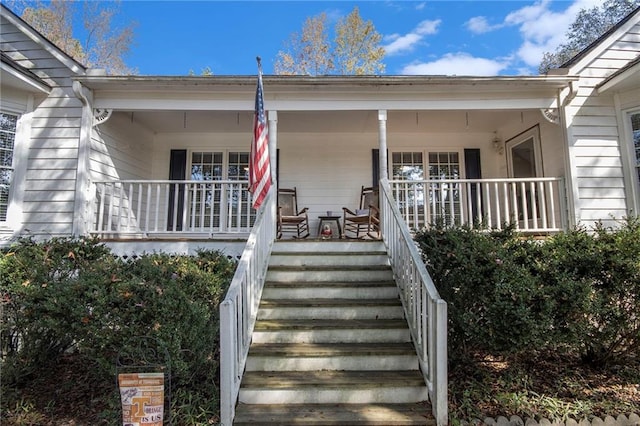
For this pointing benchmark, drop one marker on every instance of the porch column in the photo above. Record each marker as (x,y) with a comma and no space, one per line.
(273,166)
(382,141)
(273,145)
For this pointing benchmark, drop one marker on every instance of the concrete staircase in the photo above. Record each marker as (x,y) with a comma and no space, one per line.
(331,345)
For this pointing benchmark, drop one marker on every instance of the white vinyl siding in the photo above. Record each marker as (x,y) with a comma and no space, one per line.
(52,153)
(596,154)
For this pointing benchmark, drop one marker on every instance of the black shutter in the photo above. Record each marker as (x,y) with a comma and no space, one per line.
(473,171)
(177,171)
(375,164)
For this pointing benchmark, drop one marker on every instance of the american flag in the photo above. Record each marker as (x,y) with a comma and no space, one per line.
(259,170)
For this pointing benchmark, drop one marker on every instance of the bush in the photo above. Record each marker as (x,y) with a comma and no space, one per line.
(72,296)
(602,272)
(493,301)
(578,291)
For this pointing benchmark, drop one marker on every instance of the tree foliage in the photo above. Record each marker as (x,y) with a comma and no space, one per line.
(308,52)
(587,27)
(358,49)
(355,49)
(103,46)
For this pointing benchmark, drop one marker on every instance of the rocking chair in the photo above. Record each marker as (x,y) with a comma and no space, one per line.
(289,218)
(365,221)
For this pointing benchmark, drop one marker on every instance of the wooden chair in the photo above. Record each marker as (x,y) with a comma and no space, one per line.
(365,221)
(289,218)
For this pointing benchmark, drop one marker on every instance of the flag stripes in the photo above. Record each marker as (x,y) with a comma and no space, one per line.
(259,167)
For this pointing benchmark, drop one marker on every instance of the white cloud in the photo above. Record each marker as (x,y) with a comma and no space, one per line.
(543,29)
(421,6)
(480,25)
(457,64)
(428,27)
(404,43)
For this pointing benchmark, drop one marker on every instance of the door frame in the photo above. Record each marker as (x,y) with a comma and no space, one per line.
(532,133)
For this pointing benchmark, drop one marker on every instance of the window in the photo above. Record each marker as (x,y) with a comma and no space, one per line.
(442,198)
(7,139)
(635,131)
(212,204)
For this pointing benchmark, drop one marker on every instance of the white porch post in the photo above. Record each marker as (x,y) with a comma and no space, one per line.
(382,141)
(383,176)
(273,159)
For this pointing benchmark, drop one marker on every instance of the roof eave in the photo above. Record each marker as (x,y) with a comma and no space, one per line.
(183,82)
(16,76)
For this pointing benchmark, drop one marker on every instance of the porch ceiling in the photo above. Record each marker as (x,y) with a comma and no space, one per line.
(325,121)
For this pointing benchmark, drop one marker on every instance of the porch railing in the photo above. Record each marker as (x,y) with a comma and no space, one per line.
(426,312)
(529,204)
(239,309)
(146,207)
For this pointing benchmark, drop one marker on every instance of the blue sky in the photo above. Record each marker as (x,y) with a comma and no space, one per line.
(447,37)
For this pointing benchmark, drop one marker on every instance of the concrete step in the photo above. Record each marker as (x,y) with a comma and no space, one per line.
(327,387)
(330,309)
(331,331)
(335,414)
(336,356)
(379,289)
(359,273)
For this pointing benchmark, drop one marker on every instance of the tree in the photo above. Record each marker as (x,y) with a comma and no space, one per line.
(588,26)
(356,48)
(103,47)
(308,53)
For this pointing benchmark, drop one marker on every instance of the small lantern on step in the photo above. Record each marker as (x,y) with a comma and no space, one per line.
(326,232)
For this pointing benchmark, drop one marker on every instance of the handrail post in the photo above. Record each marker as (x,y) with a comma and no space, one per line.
(227,375)
(441,381)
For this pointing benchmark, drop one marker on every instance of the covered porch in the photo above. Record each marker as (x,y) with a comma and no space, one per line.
(168,157)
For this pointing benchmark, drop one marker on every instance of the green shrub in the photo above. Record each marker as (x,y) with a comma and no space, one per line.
(601,274)
(493,302)
(40,289)
(66,295)
(578,291)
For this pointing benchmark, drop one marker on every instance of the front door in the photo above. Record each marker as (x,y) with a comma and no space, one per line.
(524,161)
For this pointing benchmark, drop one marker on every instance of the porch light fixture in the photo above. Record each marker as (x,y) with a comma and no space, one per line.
(497,144)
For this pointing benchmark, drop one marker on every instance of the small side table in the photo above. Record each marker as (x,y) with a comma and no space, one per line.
(330,219)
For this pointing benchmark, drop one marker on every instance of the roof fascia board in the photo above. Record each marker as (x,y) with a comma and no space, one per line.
(374,82)
(620,77)
(25,78)
(34,35)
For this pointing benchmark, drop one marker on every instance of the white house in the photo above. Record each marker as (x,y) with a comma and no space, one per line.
(85,153)
(160,163)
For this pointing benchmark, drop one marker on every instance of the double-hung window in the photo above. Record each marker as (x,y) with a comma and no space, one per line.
(7,142)
(635,132)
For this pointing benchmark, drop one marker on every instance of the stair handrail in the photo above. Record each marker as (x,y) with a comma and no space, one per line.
(425,310)
(238,310)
